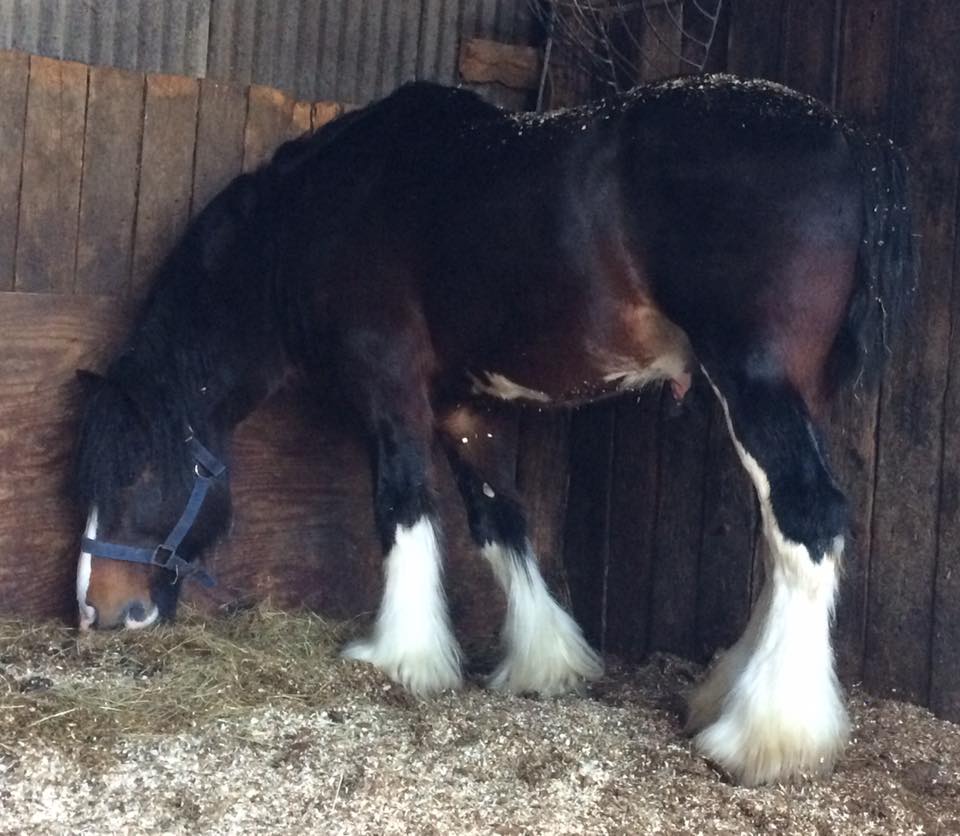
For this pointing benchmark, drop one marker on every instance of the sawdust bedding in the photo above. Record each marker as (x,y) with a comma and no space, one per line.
(251,724)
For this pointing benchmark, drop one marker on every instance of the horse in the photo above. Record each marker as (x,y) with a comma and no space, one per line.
(431,252)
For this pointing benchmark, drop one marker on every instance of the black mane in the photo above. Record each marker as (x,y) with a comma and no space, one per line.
(183,365)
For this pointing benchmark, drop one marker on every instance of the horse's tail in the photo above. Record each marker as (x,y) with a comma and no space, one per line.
(886,264)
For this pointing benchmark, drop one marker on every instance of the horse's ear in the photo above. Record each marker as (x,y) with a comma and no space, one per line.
(89,381)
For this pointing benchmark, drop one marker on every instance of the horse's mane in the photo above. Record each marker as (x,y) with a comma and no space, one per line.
(216,314)
(165,377)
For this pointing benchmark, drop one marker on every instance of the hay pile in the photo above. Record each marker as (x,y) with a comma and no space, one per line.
(252,724)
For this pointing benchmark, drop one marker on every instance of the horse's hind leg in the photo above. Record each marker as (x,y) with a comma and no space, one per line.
(772,709)
(412,641)
(544,650)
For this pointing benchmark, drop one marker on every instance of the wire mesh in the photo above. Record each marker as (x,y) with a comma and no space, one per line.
(619,43)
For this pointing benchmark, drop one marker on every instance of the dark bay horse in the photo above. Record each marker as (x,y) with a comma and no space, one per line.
(431,251)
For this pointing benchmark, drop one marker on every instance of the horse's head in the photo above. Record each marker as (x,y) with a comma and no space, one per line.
(155,498)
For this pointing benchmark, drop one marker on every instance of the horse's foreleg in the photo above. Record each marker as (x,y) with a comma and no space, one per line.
(412,641)
(772,708)
(544,650)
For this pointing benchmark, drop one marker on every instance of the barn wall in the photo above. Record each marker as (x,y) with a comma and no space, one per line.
(661,534)
(659,539)
(312,49)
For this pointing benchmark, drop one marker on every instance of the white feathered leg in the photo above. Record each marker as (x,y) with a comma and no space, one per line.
(412,641)
(772,708)
(544,649)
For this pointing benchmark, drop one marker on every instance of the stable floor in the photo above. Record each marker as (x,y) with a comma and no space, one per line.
(251,724)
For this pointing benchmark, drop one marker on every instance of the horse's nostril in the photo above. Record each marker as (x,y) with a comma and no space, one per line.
(136,612)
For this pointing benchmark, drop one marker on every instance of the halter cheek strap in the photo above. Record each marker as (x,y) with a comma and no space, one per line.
(207,468)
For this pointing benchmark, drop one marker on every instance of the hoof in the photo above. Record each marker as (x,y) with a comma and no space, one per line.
(554,662)
(423,672)
(756,744)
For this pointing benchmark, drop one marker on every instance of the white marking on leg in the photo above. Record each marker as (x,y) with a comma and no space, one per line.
(87,613)
(544,649)
(412,641)
(498,386)
(772,708)
(628,374)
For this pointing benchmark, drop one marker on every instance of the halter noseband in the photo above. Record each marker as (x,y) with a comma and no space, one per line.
(207,467)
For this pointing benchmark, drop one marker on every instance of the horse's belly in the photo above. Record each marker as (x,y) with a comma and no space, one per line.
(640,347)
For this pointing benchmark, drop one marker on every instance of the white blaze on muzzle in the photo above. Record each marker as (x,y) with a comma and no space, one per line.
(87,613)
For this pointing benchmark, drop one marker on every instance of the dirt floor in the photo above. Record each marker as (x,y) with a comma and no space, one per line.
(251,724)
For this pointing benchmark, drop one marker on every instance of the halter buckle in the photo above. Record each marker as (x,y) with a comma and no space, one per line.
(166,558)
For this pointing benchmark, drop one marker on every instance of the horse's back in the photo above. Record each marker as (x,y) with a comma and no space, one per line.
(709,204)
(716,206)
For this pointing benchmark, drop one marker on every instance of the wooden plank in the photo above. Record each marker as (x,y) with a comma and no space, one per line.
(46,338)
(269,116)
(866,73)
(631,551)
(108,192)
(301,120)
(864,79)
(683,437)
(586,531)
(810,46)
(542,476)
(755,41)
(14,74)
(324,112)
(52,167)
(219,150)
(945,666)
(903,566)
(166,171)
(302,530)
(932,79)
(485,61)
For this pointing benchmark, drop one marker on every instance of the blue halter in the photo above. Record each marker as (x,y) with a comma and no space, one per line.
(207,467)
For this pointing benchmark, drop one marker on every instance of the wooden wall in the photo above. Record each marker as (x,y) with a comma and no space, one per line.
(661,533)
(100,170)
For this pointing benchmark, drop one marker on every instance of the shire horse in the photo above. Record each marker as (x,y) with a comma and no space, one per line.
(431,251)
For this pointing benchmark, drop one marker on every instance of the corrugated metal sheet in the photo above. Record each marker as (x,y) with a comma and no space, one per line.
(167,36)
(346,50)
